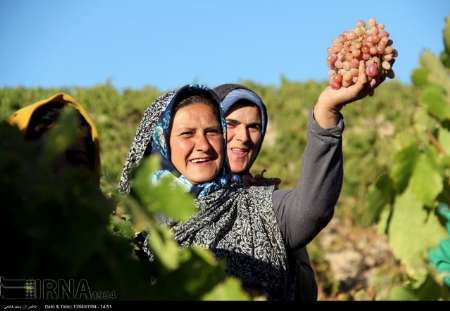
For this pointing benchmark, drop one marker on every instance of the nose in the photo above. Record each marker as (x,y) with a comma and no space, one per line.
(242,134)
(202,143)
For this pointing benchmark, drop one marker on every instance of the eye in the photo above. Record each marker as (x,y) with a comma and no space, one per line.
(254,127)
(186,134)
(213,132)
(231,123)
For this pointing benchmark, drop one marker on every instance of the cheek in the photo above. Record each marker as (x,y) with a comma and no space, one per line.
(179,149)
(230,135)
(256,139)
(216,143)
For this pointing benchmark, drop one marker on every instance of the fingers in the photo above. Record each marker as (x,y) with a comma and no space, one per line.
(361,83)
(362,77)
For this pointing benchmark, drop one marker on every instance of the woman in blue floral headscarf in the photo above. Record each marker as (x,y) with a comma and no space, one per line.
(238,224)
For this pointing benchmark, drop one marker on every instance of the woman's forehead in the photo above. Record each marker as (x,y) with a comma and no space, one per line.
(244,112)
(195,113)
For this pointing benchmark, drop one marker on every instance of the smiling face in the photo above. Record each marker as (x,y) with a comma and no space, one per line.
(243,136)
(196,142)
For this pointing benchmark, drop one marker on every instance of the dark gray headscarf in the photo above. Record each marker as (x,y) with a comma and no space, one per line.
(237,224)
(231,94)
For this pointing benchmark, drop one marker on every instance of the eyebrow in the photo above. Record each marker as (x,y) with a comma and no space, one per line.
(183,129)
(232,121)
(236,122)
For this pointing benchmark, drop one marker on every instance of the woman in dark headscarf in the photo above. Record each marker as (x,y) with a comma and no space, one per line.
(246,117)
(238,224)
(305,210)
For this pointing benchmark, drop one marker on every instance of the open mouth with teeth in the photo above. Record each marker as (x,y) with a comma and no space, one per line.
(200,160)
(240,152)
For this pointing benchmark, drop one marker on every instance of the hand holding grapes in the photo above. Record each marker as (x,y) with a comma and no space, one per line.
(359,60)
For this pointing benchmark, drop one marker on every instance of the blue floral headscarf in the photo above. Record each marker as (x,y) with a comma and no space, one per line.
(153,138)
(160,138)
(237,224)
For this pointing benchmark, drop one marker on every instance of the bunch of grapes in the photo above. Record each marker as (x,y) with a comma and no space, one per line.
(369,43)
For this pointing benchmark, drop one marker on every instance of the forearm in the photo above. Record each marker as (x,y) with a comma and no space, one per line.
(305,210)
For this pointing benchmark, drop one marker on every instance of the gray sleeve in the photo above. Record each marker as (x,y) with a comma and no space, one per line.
(305,210)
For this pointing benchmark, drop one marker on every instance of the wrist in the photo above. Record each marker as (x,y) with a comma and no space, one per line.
(325,104)
(325,116)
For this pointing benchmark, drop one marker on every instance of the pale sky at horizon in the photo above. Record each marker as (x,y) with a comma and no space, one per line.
(166,44)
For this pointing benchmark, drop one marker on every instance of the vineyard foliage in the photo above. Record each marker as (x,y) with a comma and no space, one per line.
(405,198)
(396,172)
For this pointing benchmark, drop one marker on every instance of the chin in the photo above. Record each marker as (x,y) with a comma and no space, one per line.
(199,179)
(237,169)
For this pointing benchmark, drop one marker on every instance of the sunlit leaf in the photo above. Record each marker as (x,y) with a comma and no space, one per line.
(380,195)
(419,77)
(412,231)
(444,139)
(434,101)
(403,166)
(166,197)
(164,247)
(438,73)
(429,290)
(426,182)
(230,289)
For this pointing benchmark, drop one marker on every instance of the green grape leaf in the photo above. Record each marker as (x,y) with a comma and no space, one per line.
(230,289)
(445,55)
(438,73)
(403,166)
(433,100)
(429,290)
(402,293)
(380,194)
(419,77)
(195,276)
(164,247)
(444,139)
(403,139)
(445,58)
(121,227)
(166,197)
(412,232)
(425,182)
(205,255)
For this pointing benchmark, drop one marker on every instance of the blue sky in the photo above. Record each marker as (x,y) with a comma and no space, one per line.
(172,42)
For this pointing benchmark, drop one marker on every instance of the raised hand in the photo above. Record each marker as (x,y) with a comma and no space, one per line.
(332,100)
